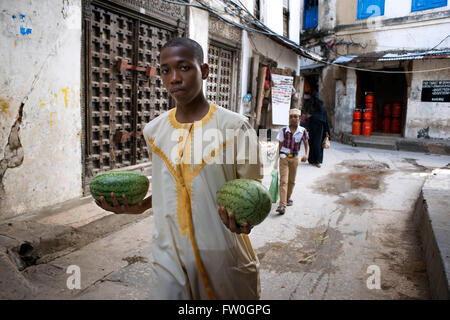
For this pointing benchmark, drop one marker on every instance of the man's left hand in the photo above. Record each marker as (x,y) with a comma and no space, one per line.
(230,222)
(304,158)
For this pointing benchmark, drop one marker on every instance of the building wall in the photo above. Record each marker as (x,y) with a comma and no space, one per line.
(413,36)
(294,20)
(327,14)
(274,15)
(196,31)
(347,10)
(345,101)
(431,118)
(40,120)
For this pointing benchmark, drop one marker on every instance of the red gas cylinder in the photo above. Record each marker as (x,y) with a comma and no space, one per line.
(387,110)
(369,100)
(395,125)
(396,109)
(367,128)
(357,114)
(367,115)
(356,128)
(387,125)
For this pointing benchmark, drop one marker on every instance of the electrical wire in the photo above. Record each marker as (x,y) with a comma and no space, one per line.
(268,31)
(362,69)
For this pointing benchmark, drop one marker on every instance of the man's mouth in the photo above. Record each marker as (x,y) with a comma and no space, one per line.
(176,90)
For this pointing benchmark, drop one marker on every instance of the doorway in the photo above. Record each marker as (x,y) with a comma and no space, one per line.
(387,89)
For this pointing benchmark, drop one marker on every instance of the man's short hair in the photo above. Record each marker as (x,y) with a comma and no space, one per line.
(186,42)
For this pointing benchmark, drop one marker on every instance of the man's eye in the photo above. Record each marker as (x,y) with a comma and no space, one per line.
(184,68)
(164,71)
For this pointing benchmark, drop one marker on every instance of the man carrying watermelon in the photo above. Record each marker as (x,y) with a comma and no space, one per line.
(199,251)
(290,139)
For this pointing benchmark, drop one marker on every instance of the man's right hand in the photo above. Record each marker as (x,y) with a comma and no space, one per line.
(125,208)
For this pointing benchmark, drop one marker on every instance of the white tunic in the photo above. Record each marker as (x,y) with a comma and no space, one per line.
(195,255)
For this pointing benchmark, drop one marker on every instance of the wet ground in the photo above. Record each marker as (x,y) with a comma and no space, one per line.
(349,234)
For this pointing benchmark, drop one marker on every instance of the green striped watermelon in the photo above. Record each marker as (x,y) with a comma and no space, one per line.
(134,185)
(247,199)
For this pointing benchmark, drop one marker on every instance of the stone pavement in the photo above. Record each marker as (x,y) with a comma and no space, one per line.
(349,235)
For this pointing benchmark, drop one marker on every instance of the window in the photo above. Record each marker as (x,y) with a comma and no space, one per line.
(310,14)
(419,5)
(370,9)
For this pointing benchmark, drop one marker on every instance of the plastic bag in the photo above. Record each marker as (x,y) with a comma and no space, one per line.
(274,189)
(326,143)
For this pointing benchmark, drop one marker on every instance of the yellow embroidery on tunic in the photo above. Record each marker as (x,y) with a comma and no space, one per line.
(177,125)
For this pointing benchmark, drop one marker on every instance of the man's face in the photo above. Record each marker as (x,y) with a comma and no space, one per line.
(294,119)
(181,73)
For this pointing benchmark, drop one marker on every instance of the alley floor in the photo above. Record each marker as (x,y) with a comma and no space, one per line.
(348,235)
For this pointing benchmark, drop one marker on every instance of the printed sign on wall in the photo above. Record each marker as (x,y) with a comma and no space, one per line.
(436,91)
(281,98)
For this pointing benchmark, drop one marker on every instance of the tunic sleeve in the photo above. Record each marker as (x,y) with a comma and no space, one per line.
(248,153)
(149,145)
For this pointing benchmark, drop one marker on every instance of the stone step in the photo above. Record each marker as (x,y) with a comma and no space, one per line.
(379,142)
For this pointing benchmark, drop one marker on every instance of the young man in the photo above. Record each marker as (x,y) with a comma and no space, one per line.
(290,139)
(198,249)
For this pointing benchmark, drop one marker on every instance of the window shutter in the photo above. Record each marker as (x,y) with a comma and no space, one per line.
(419,5)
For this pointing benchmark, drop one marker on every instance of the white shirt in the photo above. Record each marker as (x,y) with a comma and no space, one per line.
(298,135)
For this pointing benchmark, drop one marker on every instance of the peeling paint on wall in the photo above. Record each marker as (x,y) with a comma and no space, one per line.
(423,133)
(65,8)
(17,24)
(13,156)
(4,106)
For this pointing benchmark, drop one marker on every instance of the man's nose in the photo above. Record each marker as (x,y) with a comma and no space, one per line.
(175,77)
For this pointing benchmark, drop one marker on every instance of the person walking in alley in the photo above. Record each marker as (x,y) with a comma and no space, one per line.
(318,129)
(199,251)
(290,139)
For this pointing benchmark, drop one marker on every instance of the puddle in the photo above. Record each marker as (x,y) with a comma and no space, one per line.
(364,174)
(338,183)
(364,164)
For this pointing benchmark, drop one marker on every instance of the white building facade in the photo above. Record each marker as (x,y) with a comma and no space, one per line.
(396,49)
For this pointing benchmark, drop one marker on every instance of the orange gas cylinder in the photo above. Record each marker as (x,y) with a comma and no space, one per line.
(356,128)
(387,110)
(387,125)
(367,114)
(369,99)
(396,109)
(357,114)
(395,125)
(367,128)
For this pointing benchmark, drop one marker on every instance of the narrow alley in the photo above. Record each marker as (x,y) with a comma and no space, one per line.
(350,217)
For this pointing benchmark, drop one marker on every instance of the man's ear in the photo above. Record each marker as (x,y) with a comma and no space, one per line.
(205,71)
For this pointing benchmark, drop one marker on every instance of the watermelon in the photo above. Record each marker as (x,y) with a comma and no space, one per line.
(134,185)
(247,199)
